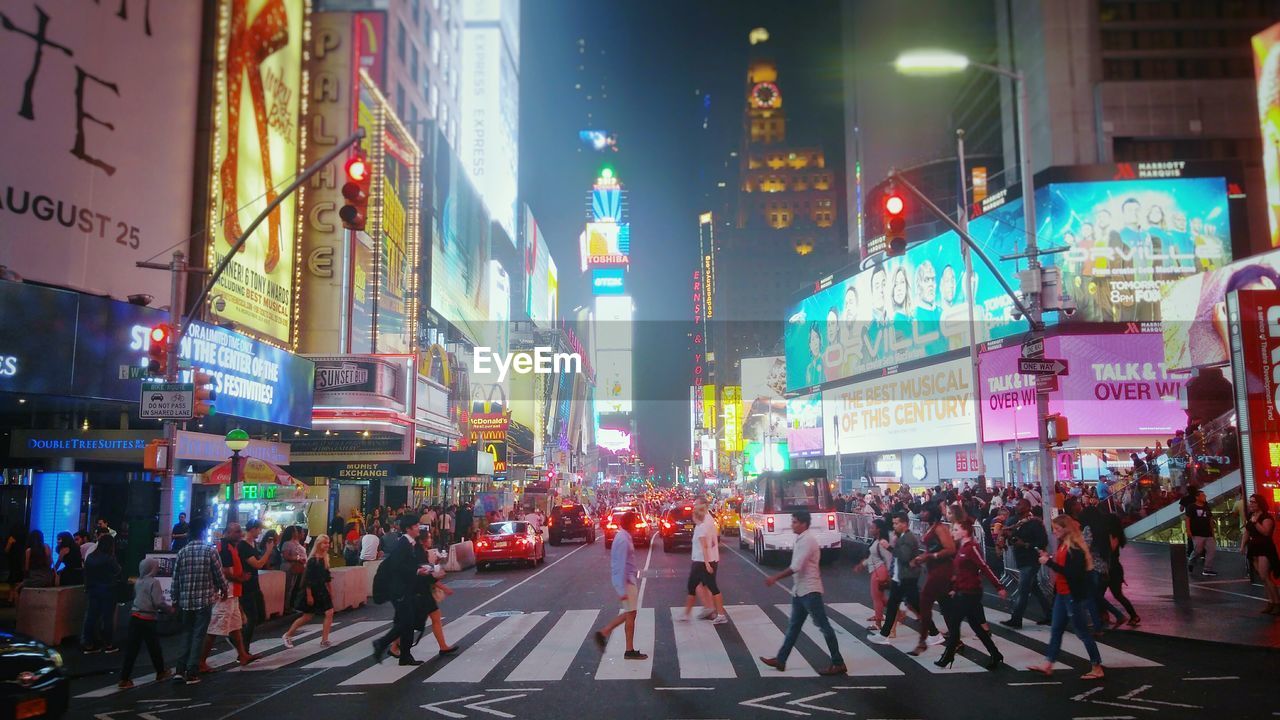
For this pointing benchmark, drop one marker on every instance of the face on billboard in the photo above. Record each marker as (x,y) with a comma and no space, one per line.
(1196,331)
(1266,55)
(257,96)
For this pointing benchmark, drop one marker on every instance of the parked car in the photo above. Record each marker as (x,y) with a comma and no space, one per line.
(570,521)
(510,541)
(639,533)
(33,683)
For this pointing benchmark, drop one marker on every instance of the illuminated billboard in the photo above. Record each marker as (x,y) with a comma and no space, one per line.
(608,281)
(1195,310)
(927,407)
(804,425)
(1255,350)
(1266,58)
(460,239)
(490,98)
(759,457)
(541,275)
(764,381)
(257,100)
(731,397)
(608,244)
(614,392)
(98,146)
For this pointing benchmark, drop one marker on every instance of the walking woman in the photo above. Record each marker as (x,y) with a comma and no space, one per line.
(317,595)
(428,593)
(1115,580)
(877,564)
(293,559)
(1072,587)
(1261,549)
(966,599)
(939,548)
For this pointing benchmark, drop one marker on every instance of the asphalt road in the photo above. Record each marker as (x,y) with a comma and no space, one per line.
(527,653)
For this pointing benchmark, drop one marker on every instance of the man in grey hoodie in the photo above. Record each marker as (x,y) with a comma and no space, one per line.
(148,603)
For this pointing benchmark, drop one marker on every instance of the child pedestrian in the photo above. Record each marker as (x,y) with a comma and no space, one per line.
(148,603)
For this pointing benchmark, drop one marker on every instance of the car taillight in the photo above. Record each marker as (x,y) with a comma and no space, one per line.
(586,521)
(666,524)
(482,544)
(768,523)
(551,521)
(642,524)
(831,521)
(611,526)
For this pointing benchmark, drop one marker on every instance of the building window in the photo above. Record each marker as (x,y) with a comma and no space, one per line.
(417,10)
(435,47)
(400,42)
(414,64)
(433,100)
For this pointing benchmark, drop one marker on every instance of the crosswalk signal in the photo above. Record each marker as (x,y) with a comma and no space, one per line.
(356,193)
(1056,431)
(895,224)
(158,341)
(205,394)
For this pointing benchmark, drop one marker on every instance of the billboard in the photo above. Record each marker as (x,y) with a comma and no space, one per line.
(98,148)
(1117,385)
(459,246)
(614,392)
(1266,58)
(490,105)
(804,425)
(608,244)
(927,407)
(542,281)
(731,397)
(608,281)
(256,146)
(1255,350)
(758,458)
(764,380)
(1195,310)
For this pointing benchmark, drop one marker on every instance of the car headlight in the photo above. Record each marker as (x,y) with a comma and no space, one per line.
(56,657)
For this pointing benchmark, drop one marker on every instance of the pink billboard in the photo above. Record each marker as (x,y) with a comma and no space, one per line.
(1117,385)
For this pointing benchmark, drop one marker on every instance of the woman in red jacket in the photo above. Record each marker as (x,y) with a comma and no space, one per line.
(966,602)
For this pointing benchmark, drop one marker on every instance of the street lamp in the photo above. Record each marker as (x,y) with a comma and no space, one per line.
(933,63)
(237,440)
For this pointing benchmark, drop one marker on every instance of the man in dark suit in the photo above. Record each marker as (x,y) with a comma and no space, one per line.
(403,570)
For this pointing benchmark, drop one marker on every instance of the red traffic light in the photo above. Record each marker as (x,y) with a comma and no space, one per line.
(158,350)
(356,169)
(894,205)
(356,192)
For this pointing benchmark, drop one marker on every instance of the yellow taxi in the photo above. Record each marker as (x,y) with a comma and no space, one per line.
(729,516)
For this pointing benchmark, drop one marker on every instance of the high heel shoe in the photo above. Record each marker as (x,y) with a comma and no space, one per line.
(995,662)
(920,650)
(946,660)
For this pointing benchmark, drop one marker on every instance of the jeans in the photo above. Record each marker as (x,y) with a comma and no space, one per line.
(1028,585)
(99,617)
(1066,607)
(1206,546)
(1100,607)
(255,612)
(907,589)
(141,631)
(195,625)
(801,608)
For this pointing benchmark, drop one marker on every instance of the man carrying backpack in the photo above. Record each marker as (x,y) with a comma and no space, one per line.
(394,581)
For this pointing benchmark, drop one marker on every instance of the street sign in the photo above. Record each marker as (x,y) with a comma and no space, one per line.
(133,372)
(167,401)
(1046,383)
(1033,348)
(1047,366)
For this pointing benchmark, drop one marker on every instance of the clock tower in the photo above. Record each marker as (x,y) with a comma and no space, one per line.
(766,120)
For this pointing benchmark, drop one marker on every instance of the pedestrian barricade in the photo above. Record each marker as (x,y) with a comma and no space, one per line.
(350,587)
(272,584)
(370,569)
(461,556)
(51,615)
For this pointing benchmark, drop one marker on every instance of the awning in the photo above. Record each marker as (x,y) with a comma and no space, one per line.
(252,470)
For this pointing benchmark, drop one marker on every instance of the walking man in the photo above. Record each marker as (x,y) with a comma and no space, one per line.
(706,564)
(403,571)
(623,560)
(905,577)
(806,597)
(1028,538)
(198,583)
(1200,530)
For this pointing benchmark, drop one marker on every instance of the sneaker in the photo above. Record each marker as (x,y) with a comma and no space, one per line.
(719,620)
(192,679)
(683,618)
(288,642)
(707,615)
(877,639)
(1208,573)
(936,639)
(634,655)
(110,649)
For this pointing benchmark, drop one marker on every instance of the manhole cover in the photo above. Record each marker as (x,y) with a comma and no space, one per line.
(504,613)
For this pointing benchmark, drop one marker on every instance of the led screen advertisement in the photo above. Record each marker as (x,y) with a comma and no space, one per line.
(490,98)
(460,238)
(1266,58)
(613,381)
(1255,348)
(1196,332)
(928,407)
(98,148)
(759,457)
(608,244)
(804,425)
(257,98)
(542,280)
(608,281)
(764,380)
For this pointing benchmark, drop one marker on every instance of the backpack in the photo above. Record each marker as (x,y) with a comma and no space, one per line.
(382,584)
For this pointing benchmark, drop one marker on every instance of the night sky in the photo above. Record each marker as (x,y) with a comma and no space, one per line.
(659,59)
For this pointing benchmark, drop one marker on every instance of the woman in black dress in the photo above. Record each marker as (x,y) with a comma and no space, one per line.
(317,595)
(1260,547)
(70,565)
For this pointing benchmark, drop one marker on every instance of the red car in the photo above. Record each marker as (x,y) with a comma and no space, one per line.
(512,541)
(639,533)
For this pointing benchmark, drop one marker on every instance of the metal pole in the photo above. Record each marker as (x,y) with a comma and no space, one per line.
(177,294)
(962,216)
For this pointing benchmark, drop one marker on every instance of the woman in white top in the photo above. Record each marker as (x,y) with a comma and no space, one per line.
(877,564)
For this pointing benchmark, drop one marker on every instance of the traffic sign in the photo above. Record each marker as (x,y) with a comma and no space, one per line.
(1033,348)
(1047,366)
(1046,383)
(133,372)
(167,401)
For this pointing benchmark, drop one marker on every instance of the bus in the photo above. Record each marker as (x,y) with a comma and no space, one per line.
(766,515)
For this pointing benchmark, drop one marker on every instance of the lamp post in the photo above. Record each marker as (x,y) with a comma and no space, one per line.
(934,63)
(237,440)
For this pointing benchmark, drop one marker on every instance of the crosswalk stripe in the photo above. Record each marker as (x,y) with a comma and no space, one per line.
(1020,657)
(302,651)
(763,639)
(907,642)
(699,648)
(386,672)
(1111,657)
(551,659)
(479,659)
(614,667)
(860,659)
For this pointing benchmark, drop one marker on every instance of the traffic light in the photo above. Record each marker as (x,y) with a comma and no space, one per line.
(158,350)
(356,192)
(895,224)
(1056,431)
(204,394)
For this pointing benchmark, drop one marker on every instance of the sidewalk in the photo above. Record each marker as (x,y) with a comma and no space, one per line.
(1221,609)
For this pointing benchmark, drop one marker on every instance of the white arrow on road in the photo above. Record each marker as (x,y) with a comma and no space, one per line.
(759,703)
(803,702)
(152,714)
(107,715)
(434,707)
(499,713)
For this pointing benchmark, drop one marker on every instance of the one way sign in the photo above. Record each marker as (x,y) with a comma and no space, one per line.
(1048,366)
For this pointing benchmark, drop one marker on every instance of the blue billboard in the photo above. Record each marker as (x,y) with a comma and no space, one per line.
(608,281)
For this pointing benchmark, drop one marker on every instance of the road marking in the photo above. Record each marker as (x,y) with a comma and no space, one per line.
(759,703)
(804,703)
(536,574)
(1105,717)
(384,674)
(859,687)
(699,649)
(435,706)
(152,714)
(1124,705)
(1032,684)
(614,667)
(327,694)
(644,581)
(1202,679)
(684,688)
(476,661)
(302,651)
(513,689)
(480,705)
(551,659)
(1086,693)
(1111,657)
(853,611)
(861,660)
(1133,695)
(763,639)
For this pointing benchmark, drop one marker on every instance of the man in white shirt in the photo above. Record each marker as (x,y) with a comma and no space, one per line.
(370,546)
(705,557)
(806,597)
